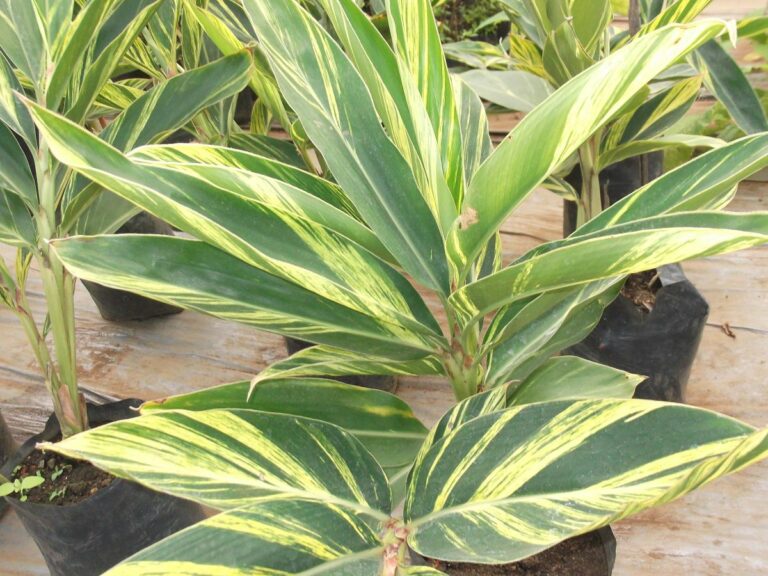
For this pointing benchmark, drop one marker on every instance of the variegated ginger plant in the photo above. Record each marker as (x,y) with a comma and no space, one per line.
(303,469)
(413,195)
(551,42)
(66,56)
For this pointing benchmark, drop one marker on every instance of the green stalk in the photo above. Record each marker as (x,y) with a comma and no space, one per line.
(59,288)
(591,198)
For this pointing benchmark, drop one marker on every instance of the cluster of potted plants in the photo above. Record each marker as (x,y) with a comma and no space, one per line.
(391,184)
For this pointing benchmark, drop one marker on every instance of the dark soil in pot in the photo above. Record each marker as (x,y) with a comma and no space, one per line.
(98,520)
(386,383)
(119,305)
(655,326)
(592,554)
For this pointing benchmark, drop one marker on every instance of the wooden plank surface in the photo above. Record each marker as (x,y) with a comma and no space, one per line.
(722,529)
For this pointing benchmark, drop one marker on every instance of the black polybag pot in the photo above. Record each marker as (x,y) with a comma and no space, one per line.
(87,538)
(385,383)
(599,544)
(7,448)
(120,306)
(661,343)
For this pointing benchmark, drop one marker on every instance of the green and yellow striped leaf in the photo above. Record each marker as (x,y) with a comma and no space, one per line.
(16,225)
(250,161)
(528,331)
(230,458)
(199,277)
(254,218)
(326,361)
(262,81)
(24,39)
(15,175)
(175,102)
(468,409)
(511,483)
(155,115)
(610,252)
(281,150)
(312,72)
(728,83)
(512,89)
(559,126)
(382,422)
(274,536)
(474,129)
(707,182)
(99,71)
(678,12)
(569,377)
(417,43)
(79,36)
(398,103)
(639,147)
(12,112)
(661,111)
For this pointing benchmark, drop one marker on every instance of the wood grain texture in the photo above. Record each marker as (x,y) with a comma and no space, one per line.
(722,529)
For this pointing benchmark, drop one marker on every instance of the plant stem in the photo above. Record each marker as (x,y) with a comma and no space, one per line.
(59,288)
(591,198)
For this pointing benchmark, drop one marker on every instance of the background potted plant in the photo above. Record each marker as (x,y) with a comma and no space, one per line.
(64,56)
(656,326)
(287,251)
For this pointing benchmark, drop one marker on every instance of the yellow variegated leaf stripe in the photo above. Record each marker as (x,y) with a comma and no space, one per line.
(337,112)
(559,126)
(384,424)
(473,407)
(567,377)
(261,81)
(639,147)
(619,250)
(473,122)
(229,458)
(243,159)
(662,110)
(24,40)
(707,182)
(511,483)
(197,276)
(256,219)
(397,101)
(328,361)
(274,536)
(98,72)
(525,334)
(167,105)
(679,12)
(12,112)
(77,39)
(417,43)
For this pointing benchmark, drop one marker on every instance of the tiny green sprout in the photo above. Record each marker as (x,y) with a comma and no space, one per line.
(57,472)
(21,486)
(57,493)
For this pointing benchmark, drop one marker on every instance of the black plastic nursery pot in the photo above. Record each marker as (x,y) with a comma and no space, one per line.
(591,554)
(385,383)
(91,536)
(659,340)
(120,306)
(7,448)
